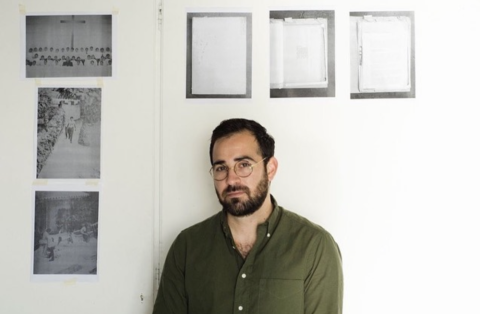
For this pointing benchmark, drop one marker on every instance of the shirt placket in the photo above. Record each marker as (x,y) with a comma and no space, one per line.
(246,277)
(241,301)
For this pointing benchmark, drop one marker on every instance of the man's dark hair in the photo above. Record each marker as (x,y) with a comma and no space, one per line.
(230,127)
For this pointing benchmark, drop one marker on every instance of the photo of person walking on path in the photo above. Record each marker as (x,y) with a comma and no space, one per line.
(70,128)
(77,112)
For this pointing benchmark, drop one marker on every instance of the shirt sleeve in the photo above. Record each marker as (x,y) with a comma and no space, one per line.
(171,297)
(324,283)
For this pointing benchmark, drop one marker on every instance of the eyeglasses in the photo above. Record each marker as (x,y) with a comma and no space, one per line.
(242,168)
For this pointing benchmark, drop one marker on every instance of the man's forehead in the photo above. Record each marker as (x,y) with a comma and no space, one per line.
(237,144)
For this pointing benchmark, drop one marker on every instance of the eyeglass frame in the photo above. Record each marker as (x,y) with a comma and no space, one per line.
(234,165)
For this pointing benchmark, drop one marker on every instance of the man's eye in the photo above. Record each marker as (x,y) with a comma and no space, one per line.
(220,168)
(244,164)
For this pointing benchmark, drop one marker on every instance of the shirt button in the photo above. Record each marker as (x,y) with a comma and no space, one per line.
(268,235)
(240,308)
(244,275)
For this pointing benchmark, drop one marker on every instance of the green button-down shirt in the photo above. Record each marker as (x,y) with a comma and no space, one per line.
(294,267)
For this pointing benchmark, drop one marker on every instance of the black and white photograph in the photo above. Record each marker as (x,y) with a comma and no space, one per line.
(68,46)
(382,54)
(219,55)
(302,53)
(65,233)
(68,133)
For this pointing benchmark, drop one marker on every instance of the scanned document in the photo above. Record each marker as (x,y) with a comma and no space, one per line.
(298,53)
(384,46)
(219,55)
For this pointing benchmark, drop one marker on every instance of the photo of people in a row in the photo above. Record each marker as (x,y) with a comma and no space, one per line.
(68,56)
(69,46)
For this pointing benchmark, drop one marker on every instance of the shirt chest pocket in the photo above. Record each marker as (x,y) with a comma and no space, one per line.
(281,296)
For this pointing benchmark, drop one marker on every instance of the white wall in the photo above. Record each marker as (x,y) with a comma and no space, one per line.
(129,150)
(395,181)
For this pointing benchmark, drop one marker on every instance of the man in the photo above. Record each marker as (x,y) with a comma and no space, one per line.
(50,246)
(70,127)
(84,232)
(254,256)
(44,241)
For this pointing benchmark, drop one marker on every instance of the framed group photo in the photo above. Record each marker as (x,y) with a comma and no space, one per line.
(69,46)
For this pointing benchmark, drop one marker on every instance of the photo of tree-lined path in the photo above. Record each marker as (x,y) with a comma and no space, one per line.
(68,133)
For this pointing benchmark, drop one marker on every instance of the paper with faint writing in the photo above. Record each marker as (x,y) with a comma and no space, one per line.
(384,45)
(298,53)
(219,55)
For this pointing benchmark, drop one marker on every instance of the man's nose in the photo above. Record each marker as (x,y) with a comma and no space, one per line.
(232,176)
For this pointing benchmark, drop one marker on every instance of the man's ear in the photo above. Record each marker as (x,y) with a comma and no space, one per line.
(272,167)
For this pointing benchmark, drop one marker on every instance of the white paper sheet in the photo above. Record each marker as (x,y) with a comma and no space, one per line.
(219,55)
(298,53)
(384,47)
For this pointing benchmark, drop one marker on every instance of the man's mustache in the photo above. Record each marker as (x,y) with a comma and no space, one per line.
(235,188)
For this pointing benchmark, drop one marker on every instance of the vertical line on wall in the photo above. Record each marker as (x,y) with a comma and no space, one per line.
(158,117)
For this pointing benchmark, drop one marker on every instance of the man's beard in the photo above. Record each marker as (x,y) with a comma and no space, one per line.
(238,208)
